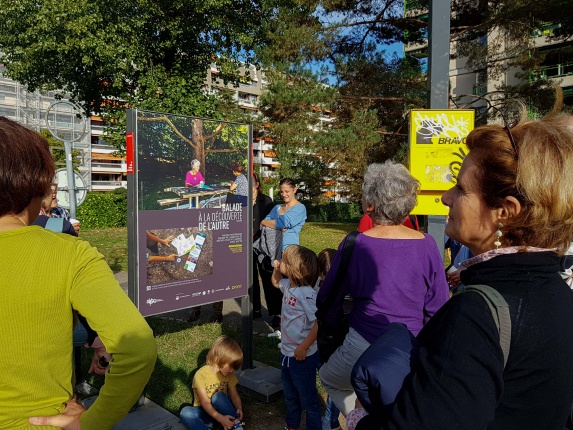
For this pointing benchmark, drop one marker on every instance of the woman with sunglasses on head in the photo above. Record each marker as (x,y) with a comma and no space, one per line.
(513,208)
(48,278)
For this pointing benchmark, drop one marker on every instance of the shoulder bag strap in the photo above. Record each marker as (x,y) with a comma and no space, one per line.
(499,311)
(340,273)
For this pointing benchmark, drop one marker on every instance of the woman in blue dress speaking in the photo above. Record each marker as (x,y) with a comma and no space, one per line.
(288,217)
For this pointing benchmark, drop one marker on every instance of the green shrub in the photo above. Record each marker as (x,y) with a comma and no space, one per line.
(334,212)
(103,210)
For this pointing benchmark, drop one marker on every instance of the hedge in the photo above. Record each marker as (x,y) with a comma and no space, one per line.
(334,212)
(103,210)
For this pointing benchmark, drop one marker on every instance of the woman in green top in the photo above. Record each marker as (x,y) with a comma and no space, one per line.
(46,279)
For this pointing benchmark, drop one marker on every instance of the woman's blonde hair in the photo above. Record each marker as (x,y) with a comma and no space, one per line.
(538,172)
(225,351)
(301,265)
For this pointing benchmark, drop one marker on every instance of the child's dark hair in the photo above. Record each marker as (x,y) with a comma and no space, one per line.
(301,265)
(225,351)
(325,258)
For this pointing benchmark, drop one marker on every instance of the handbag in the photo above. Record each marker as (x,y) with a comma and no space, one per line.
(331,336)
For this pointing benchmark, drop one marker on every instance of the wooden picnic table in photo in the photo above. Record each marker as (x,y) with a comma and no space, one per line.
(194,193)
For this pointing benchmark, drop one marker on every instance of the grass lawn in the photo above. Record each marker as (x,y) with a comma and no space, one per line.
(183,346)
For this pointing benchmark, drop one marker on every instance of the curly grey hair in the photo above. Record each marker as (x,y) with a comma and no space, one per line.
(392,190)
(194,163)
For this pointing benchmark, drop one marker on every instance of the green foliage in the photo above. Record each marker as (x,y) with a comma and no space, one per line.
(103,210)
(334,212)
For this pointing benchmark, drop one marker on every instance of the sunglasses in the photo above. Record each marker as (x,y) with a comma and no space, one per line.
(508,128)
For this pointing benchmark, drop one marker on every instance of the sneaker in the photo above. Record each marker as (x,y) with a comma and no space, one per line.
(289,428)
(276,333)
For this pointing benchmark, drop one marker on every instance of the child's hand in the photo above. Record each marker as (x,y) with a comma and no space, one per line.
(240,413)
(227,421)
(277,264)
(300,353)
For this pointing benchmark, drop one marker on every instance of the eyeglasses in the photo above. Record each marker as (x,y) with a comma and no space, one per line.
(54,187)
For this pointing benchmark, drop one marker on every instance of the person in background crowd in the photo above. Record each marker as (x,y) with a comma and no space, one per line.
(262,205)
(45,219)
(47,278)
(57,211)
(395,274)
(365,223)
(331,413)
(240,185)
(288,217)
(194,176)
(512,207)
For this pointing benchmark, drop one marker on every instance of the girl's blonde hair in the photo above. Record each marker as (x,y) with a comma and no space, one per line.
(225,351)
(301,265)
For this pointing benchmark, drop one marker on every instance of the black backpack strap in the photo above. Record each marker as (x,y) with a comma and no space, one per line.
(340,274)
(499,311)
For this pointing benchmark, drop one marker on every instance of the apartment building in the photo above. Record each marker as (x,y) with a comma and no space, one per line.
(108,169)
(36,111)
(252,84)
(466,84)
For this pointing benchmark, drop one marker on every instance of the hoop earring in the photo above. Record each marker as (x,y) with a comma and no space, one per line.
(498,235)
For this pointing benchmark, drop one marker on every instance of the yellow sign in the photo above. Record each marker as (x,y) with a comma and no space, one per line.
(437,149)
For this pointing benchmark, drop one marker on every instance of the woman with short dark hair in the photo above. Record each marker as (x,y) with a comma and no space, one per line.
(51,277)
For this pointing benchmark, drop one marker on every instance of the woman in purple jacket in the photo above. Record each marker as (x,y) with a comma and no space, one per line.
(395,275)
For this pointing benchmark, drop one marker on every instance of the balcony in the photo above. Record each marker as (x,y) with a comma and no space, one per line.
(108,185)
(108,163)
(109,167)
(545,29)
(554,71)
(479,89)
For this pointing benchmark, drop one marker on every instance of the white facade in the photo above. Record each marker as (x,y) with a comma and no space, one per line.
(30,109)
